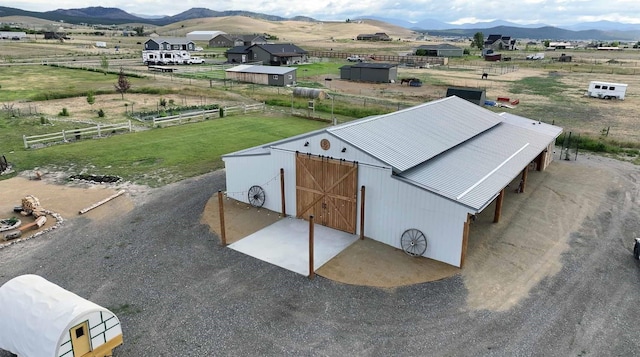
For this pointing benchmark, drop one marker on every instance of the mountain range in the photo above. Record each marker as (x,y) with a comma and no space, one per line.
(600,31)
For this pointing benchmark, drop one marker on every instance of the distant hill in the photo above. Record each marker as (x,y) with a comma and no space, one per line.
(541,33)
(604,30)
(109,15)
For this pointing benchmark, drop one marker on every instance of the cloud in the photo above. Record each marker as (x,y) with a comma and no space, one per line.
(554,12)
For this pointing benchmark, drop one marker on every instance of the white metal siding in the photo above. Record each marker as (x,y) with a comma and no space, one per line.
(393,206)
(242,172)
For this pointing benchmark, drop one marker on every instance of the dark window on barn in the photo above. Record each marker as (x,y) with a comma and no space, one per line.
(597,86)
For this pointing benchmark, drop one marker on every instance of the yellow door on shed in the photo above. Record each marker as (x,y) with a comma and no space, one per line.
(80,339)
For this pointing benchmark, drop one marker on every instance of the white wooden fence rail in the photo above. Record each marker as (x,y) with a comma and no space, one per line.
(64,135)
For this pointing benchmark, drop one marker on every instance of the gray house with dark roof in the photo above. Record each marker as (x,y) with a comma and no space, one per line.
(169,44)
(499,42)
(370,72)
(268,54)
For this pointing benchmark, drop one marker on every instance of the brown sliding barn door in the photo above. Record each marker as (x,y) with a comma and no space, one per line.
(328,190)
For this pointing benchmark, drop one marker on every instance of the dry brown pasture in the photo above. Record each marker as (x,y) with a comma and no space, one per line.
(570,109)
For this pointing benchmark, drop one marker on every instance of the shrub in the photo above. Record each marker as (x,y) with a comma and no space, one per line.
(101,113)
(64,112)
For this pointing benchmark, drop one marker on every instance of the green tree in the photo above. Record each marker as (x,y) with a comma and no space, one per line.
(104,64)
(478,40)
(123,84)
(139,30)
(615,44)
(546,43)
(421,52)
(91,98)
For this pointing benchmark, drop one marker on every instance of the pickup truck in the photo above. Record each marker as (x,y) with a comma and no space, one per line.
(195,60)
(355,58)
(636,249)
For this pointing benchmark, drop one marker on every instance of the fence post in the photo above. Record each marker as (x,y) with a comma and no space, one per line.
(24,139)
(99,133)
(64,136)
(154,122)
(130,125)
(223,236)
(312,273)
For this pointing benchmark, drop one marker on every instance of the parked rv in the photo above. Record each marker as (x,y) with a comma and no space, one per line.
(607,90)
(166,57)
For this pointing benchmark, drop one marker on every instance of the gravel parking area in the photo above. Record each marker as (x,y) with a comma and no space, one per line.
(179,293)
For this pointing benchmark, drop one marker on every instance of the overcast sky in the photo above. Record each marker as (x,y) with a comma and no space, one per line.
(550,12)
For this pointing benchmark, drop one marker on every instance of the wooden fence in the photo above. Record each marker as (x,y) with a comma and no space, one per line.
(408,59)
(244,109)
(204,114)
(210,114)
(66,135)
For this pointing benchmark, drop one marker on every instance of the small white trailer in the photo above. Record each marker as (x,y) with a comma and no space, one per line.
(40,319)
(607,90)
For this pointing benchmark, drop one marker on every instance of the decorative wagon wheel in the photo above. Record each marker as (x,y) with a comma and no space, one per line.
(413,242)
(256,196)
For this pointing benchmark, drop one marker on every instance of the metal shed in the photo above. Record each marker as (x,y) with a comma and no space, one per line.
(441,50)
(41,319)
(370,72)
(266,75)
(426,169)
(474,95)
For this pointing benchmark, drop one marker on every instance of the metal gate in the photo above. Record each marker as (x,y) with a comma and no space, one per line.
(327,189)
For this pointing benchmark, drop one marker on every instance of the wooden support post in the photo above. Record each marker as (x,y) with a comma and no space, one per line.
(465,239)
(362,212)
(284,207)
(496,216)
(524,179)
(223,237)
(312,272)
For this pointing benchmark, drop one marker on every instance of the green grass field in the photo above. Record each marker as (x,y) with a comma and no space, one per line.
(158,156)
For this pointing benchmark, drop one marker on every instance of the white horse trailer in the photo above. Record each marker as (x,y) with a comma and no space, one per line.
(40,319)
(607,90)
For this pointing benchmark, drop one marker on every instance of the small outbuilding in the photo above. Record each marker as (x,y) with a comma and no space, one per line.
(441,50)
(40,319)
(203,35)
(427,171)
(473,95)
(370,72)
(266,75)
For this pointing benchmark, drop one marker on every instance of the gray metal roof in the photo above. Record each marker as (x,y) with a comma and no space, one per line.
(535,125)
(374,65)
(475,172)
(245,68)
(409,137)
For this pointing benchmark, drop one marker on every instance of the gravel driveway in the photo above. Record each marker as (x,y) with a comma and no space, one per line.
(178,293)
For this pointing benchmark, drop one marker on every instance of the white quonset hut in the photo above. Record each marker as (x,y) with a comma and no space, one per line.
(203,35)
(426,171)
(41,319)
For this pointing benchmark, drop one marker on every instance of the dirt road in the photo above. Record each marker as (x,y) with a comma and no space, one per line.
(178,293)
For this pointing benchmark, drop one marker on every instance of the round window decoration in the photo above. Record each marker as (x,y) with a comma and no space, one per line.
(325,144)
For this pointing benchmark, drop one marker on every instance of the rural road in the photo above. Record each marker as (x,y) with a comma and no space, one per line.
(178,293)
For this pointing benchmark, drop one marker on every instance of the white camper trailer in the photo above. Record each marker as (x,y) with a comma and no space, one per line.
(166,57)
(41,319)
(606,90)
